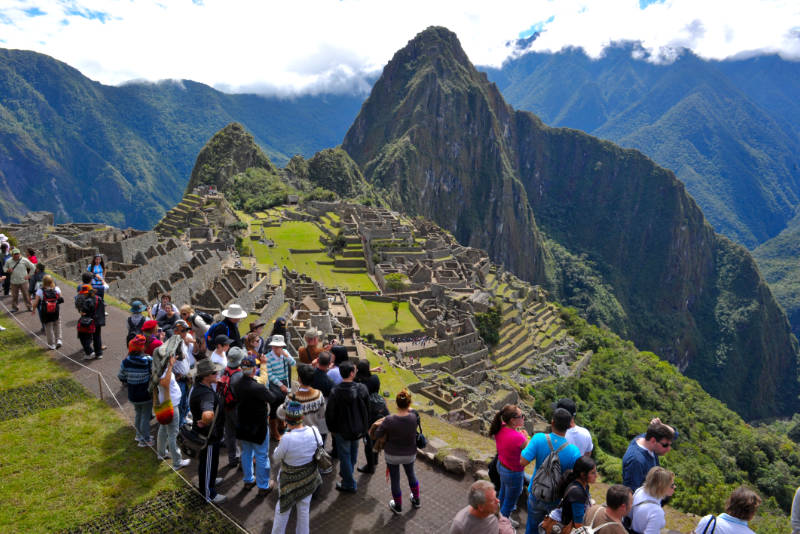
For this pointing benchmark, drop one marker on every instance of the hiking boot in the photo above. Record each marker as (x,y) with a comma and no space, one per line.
(417,504)
(395,508)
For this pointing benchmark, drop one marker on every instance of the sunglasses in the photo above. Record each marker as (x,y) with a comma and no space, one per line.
(666,445)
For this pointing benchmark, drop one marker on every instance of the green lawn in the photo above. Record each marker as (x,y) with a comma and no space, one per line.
(67,465)
(301,235)
(377,318)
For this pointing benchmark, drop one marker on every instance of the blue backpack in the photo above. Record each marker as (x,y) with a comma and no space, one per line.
(212,333)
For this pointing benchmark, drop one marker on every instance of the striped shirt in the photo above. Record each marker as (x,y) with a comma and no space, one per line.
(278,368)
(135,371)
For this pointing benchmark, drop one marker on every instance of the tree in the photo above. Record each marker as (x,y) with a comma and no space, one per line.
(395,282)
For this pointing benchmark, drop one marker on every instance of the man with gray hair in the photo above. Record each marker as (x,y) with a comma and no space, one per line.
(482,514)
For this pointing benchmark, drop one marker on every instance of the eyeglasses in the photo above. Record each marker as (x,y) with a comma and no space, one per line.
(519,416)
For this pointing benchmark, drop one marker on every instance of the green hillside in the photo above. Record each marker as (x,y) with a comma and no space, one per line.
(122,155)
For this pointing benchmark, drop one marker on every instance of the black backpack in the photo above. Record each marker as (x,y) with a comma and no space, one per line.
(206,317)
(133,329)
(545,482)
(377,407)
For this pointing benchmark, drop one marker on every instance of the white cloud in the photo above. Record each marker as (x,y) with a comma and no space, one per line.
(313,45)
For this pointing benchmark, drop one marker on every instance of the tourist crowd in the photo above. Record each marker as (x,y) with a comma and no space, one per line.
(210,387)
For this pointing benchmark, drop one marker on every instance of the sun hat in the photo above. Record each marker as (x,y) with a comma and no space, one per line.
(257,323)
(277,341)
(235,357)
(138,306)
(234,311)
(206,367)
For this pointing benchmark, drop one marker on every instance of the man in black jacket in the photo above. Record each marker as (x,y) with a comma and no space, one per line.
(253,400)
(203,403)
(347,416)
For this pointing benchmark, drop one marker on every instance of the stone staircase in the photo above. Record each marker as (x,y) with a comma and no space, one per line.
(186,214)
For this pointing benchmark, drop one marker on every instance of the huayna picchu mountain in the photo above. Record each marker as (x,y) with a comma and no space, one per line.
(605,228)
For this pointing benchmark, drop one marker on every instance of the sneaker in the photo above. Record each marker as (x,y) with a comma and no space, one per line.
(327,471)
(89,357)
(263,492)
(341,487)
(183,463)
(51,347)
(366,469)
(417,504)
(14,309)
(219,499)
(98,356)
(58,344)
(166,456)
(2,328)
(396,509)
(143,444)
(249,485)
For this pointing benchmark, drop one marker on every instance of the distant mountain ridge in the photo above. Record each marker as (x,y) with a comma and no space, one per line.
(123,155)
(730,130)
(440,140)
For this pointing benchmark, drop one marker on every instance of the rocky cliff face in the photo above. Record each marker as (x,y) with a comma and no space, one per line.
(231,151)
(440,140)
(433,135)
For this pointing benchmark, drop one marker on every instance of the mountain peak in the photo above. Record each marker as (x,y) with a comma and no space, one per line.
(230,151)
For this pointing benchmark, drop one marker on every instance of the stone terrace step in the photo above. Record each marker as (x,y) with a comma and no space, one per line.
(522,355)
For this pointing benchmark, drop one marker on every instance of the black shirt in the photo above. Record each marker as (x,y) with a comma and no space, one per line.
(322,382)
(204,399)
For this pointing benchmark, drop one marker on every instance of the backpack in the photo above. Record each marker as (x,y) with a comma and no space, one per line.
(376,406)
(133,329)
(548,475)
(224,389)
(590,528)
(50,301)
(79,300)
(212,333)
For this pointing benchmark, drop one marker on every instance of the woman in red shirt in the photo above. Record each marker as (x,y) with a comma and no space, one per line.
(510,436)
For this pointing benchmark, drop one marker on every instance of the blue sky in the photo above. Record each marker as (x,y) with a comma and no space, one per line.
(334,45)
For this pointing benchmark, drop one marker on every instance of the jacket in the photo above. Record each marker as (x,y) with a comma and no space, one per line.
(95,308)
(252,409)
(347,412)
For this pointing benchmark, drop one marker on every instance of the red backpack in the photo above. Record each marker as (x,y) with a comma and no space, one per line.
(50,301)
(224,389)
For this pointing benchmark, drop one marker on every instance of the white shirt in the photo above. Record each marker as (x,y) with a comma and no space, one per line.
(40,293)
(581,438)
(221,359)
(647,517)
(297,447)
(174,390)
(726,524)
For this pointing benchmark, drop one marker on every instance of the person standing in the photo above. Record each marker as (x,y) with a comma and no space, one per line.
(19,271)
(231,375)
(184,363)
(48,301)
(98,269)
(298,477)
(279,372)
(347,415)
(577,435)
(647,512)
(643,452)
(208,416)
(134,372)
(229,325)
(510,439)
(538,449)
(373,384)
(168,433)
(400,448)
(94,308)
(252,411)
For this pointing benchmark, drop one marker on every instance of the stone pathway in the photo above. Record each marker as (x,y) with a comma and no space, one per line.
(366,511)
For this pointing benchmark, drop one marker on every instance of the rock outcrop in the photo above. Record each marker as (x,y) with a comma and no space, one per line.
(439,139)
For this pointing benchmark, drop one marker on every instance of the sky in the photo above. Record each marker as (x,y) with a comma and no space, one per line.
(312,46)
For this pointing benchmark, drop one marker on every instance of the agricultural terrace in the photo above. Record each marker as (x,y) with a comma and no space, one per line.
(377,318)
(299,235)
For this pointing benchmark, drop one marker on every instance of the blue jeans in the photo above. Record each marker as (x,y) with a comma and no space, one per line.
(537,511)
(167,437)
(510,489)
(142,420)
(183,407)
(261,452)
(348,456)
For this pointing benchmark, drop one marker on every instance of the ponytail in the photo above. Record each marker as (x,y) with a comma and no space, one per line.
(583,466)
(501,418)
